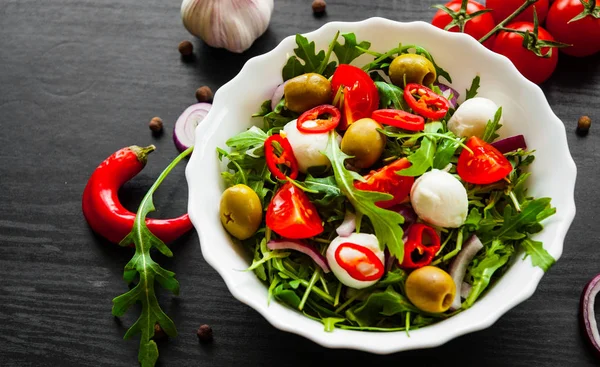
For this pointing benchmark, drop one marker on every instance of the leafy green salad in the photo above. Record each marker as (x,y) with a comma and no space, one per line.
(369,198)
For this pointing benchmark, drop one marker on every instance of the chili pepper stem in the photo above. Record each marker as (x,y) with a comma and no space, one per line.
(142,152)
(515,14)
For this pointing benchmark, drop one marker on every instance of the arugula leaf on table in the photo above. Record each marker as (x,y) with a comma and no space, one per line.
(489,134)
(386,223)
(539,256)
(391,96)
(347,52)
(149,272)
(472,91)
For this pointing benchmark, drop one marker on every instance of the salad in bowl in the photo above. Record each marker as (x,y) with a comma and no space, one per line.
(368,194)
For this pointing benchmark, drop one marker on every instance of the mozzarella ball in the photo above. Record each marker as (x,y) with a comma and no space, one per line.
(349,255)
(440,199)
(472,116)
(308,147)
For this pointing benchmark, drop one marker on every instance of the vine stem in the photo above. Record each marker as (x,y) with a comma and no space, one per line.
(515,14)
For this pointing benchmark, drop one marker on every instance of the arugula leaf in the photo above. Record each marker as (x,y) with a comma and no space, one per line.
(444,153)
(386,223)
(292,68)
(423,157)
(391,96)
(539,256)
(248,139)
(149,271)
(489,134)
(472,91)
(513,224)
(330,322)
(377,306)
(482,274)
(265,108)
(347,52)
(323,185)
(312,60)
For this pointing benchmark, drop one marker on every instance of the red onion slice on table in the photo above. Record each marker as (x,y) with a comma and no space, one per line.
(588,318)
(459,265)
(510,144)
(305,248)
(184,133)
(348,225)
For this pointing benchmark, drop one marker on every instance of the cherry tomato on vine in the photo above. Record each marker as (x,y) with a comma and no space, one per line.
(360,96)
(501,9)
(583,34)
(533,67)
(478,26)
(291,214)
(484,166)
(387,181)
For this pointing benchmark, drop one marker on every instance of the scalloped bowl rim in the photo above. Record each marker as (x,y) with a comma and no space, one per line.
(483,314)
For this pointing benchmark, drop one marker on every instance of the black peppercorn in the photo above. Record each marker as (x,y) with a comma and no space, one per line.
(156,124)
(205,333)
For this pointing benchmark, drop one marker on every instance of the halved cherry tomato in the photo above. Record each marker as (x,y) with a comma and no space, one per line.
(430,104)
(388,181)
(363,265)
(286,158)
(484,166)
(319,119)
(359,91)
(291,214)
(399,118)
(421,244)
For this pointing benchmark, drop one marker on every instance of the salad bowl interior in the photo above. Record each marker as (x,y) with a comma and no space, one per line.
(525,111)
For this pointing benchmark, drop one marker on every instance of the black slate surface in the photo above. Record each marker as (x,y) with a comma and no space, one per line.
(80,79)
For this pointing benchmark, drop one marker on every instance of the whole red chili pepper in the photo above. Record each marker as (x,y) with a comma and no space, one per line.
(421,245)
(102,208)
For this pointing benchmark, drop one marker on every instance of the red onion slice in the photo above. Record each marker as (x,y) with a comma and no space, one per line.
(510,144)
(407,212)
(277,95)
(459,265)
(184,132)
(588,318)
(449,92)
(465,289)
(305,248)
(348,225)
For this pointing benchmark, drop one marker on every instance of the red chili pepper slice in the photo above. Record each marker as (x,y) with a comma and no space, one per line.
(430,104)
(364,267)
(421,245)
(319,119)
(286,158)
(399,118)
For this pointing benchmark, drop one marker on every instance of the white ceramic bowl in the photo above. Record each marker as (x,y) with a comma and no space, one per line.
(526,111)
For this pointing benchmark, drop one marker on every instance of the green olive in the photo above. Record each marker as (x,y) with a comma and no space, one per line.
(415,68)
(306,91)
(240,211)
(430,289)
(363,142)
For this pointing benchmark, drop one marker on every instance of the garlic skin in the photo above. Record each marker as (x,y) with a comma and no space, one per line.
(230,24)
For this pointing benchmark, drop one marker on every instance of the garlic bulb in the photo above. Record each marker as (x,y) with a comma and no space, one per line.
(230,24)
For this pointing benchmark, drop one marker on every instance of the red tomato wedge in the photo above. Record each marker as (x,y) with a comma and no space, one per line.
(425,102)
(485,165)
(291,214)
(360,262)
(386,180)
(360,94)
(319,119)
(399,118)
